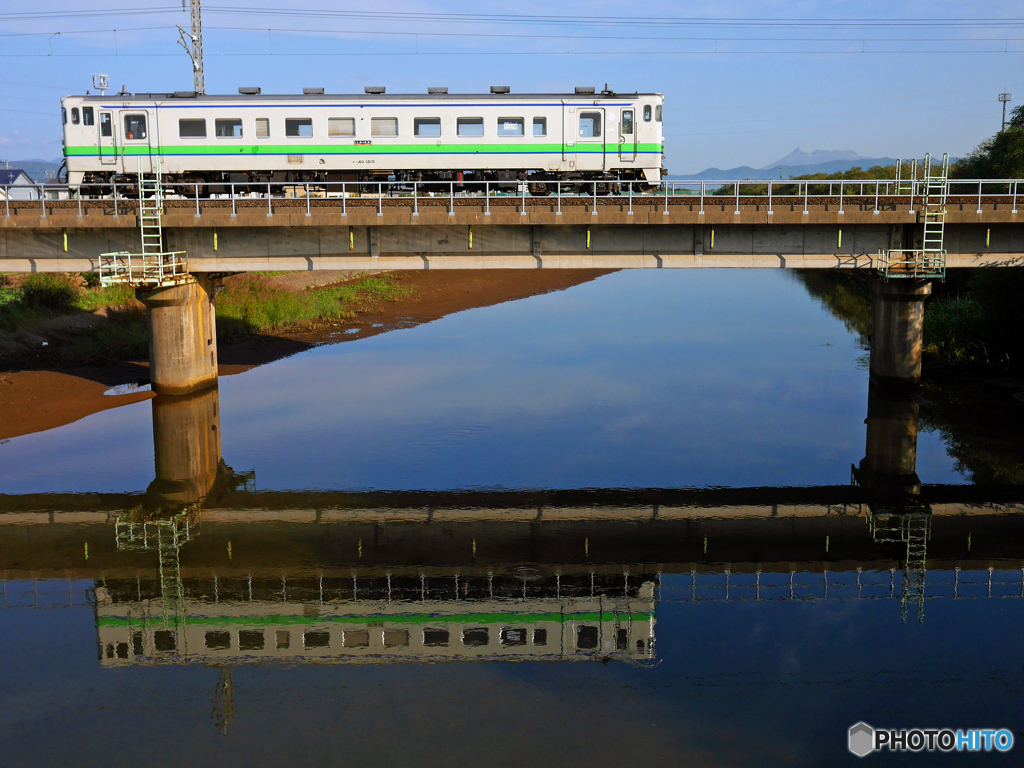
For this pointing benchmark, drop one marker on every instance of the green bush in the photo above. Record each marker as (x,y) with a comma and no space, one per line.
(47,290)
(954,330)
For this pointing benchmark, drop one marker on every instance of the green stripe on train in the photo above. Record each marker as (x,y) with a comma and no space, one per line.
(173,150)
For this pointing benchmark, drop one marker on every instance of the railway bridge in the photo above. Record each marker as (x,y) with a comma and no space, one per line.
(173,247)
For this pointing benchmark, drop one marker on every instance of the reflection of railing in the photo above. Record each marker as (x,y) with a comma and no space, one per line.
(729,586)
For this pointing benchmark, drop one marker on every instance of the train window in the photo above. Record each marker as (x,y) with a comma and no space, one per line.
(622,640)
(192,128)
(87,116)
(475,637)
(433,638)
(135,127)
(586,638)
(540,126)
(356,638)
(218,641)
(137,643)
(262,127)
(74,115)
(510,126)
(426,127)
(513,636)
(284,639)
(106,125)
(470,126)
(227,128)
(341,126)
(540,637)
(647,113)
(64,116)
(250,640)
(122,650)
(316,639)
(657,113)
(383,126)
(627,121)
(396,638)
(165,640)
(298,127)
(590,125)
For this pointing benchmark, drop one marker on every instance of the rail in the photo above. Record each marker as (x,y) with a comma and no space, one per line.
(765,192)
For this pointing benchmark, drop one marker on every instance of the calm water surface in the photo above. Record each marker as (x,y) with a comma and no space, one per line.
(611,524)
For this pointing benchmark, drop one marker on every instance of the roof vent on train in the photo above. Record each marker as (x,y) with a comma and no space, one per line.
(374,89)
(501,89)
(313,91)
(185,94)
(582,89)
(250,90)
(437,90)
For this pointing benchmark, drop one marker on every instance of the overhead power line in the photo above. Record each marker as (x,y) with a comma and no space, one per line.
(534,19)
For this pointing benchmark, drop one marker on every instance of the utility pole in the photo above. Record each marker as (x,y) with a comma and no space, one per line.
(196,39)
(1003,97)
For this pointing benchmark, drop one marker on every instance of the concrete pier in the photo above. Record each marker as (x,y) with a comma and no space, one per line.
(182,337)
(897,331)
(186,442)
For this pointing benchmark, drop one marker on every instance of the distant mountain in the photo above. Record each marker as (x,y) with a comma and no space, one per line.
(785,171)
(818,156)
(36,168)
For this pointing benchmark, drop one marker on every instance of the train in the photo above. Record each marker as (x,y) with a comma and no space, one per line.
(201,143)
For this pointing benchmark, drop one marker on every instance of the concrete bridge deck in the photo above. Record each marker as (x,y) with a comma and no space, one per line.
(241,233)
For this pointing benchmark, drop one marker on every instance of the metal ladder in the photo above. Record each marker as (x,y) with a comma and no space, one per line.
(929,261)
(151,208)
(934,206)
(154,267)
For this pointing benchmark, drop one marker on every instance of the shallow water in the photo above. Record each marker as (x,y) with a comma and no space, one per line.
(651,470)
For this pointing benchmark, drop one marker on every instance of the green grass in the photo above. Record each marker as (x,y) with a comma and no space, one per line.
(249,305)
(252,304)
(92,299)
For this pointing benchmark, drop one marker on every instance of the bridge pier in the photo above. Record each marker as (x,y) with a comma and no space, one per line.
(182,337)
(897,331)
(187,449)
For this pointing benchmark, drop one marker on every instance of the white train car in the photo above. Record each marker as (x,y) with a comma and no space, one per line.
(316,137)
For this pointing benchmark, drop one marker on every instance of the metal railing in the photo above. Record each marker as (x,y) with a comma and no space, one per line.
(140,270)
(912,263)
(880,194)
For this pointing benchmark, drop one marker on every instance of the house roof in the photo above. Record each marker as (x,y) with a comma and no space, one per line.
(11,175)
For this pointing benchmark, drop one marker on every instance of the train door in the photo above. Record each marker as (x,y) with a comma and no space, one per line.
(135,141)
(106,143)
(590,155)
(627,136)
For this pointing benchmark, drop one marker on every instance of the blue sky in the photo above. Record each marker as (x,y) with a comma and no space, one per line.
(744,82)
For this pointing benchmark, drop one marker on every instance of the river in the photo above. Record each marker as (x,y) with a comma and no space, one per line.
(641,519)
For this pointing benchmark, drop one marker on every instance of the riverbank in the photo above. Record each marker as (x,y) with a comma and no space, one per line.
(40,391)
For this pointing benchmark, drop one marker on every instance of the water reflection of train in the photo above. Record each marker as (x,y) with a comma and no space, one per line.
(377,619)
